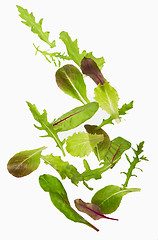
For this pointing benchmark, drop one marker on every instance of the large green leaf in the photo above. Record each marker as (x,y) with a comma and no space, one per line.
(59,198)
(109,197)
(75,117)
(25,162)
(70,80)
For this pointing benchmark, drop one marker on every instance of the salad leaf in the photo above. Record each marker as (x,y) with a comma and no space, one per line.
(90,68)
(75,117)
(73,51)
(29,20)
(59,198)
(91,209)
(109,197)
(25,162)
(45,125)
(70,80)
(81,144)
(63,168)
(107,97)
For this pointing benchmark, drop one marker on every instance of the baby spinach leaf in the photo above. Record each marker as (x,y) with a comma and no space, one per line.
(73,51)
(75,117)
(70,80)
(107,97)
(29,20)
(81,144)
(63,168)
(45,125)
(59,198)
(109,197)
(91,209)
(25,162)
(101,149)
(90,68)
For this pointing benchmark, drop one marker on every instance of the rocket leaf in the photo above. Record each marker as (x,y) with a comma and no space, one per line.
(75,117)
(70,80)
(81,144)
(109,197)
(59,198)
(25,162)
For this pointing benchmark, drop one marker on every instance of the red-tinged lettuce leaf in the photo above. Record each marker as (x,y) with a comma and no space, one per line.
(91,209)
(70,80)
(25,162)
(75,117)
(90,68)
(60,200)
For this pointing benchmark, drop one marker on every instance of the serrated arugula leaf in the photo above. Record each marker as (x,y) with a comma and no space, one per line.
(29,20)
(70,80)
(73,51)
(63,168)
(60,199)
(81,144)
(45,125)
(108,98)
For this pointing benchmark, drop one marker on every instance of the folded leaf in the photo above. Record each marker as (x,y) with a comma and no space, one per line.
(90,68)
(70,80)
(63,168)
(75,117)
(107,97)
(101,149)
(25,162)
(59,198)
(73,51)
(109,197)
(91,209)
(81,144)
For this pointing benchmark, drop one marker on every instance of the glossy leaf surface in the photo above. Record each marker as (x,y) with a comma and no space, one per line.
(25,162)
(75,117)
(70,80)
(109,197)
(59,198)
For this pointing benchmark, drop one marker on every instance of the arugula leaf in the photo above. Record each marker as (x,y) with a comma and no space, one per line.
(29,20)
(81,144)
(45,125)
(59,198)
(73,51)
(91,209)
(109,197)
(70,80)
(75,117)
(25,162)
(63,168)
(107,97)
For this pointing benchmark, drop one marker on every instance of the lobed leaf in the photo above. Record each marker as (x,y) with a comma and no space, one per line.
(109,197)
(25,162)
(59,198)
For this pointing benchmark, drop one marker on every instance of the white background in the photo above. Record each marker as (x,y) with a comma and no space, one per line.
(125,33)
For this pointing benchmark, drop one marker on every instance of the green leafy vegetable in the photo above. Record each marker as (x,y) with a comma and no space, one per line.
(75,117)
(109,197)
(107,97)
(91,209)
(59,198)
(70,80)
(25,162)
(81,144)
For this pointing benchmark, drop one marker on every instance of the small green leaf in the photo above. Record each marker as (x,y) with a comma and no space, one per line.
(70,80)
(75,117)
(59,198)
(81,144)
(107,97)
(109,197)
(25,162)
(125,107)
